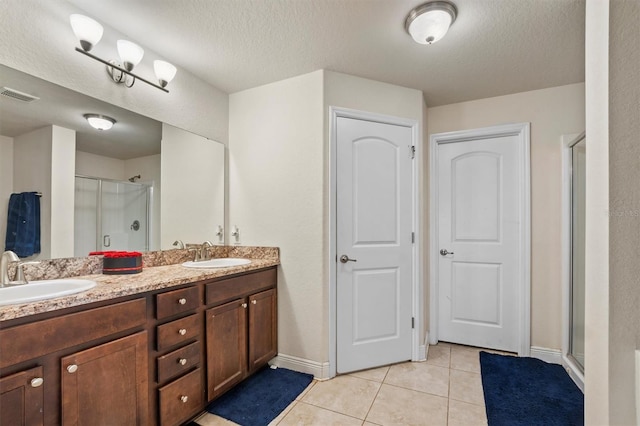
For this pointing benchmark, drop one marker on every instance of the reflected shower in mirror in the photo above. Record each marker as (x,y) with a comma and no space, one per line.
(47,145)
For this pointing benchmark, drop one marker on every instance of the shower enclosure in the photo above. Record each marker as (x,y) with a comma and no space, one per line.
(577,193)
(110,215)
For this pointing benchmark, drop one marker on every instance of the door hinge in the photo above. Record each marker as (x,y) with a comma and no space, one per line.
(413,322)
(413,237)
(413,152)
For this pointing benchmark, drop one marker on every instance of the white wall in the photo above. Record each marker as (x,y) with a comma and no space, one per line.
(552,112)
(276,178)
(63,150)
(93,165)
(596,379)
(36,38)
(624,209)
(192,181)
(279,186)
(6,183)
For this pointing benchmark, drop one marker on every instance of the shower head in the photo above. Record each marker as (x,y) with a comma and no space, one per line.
(133,178)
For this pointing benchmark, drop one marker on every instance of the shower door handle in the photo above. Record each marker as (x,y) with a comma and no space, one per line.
(106,241)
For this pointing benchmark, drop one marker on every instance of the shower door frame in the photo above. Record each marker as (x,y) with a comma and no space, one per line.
(99,240)
(568,361)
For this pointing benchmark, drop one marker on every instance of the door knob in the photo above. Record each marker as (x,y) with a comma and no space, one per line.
(444,252)
(344,259)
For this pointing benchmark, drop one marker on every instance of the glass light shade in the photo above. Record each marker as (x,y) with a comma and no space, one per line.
(430,27)
(130,53)
(100,122)
(88,31)
(164,72)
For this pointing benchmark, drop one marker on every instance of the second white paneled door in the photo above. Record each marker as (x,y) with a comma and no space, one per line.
(374,244)
(480,189)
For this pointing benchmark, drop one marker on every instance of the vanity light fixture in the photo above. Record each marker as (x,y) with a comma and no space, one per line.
(100,122)
(430,21)
(89,32)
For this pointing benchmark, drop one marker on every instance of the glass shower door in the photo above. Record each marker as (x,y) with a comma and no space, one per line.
(111,215)
(577,288)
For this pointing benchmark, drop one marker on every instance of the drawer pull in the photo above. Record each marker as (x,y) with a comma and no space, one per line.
(254,301)
(72,368)
(182,301)
(182,331)
(37,382)
(184,399)
(244,305)
(182,361)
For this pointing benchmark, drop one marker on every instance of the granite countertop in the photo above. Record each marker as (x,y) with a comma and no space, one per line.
(114,286)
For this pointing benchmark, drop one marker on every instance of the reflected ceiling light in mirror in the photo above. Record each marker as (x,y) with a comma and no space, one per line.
(430,21)
(89,32)
(100,122)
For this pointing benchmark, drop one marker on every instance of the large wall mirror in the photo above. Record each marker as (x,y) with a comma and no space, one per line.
(140,185)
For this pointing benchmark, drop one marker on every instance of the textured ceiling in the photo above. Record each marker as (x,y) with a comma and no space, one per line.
(495,47)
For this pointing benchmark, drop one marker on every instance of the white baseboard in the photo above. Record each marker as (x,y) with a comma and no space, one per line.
(423,350)
(320,370)
(553,356)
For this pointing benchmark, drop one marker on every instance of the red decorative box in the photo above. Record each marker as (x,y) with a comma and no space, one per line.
(120,262)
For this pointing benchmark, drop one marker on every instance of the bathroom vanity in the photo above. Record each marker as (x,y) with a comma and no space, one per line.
(144,356)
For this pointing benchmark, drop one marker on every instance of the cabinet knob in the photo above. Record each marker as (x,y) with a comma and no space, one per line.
(184,399)
(72,368)
(244,305)
(182,361)
(182,301)
(182,331)
(254,301)
(37,382)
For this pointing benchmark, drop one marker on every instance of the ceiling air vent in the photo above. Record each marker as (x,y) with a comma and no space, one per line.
(15,94)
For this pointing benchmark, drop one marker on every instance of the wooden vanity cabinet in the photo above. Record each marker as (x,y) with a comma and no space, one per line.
(241,332)
(21,398)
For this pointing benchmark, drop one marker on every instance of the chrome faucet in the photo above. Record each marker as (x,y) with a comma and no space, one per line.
(204,253)
(7,256)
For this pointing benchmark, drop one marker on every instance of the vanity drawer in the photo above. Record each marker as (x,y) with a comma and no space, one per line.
(233,288)
(177,301)
(39,338)
(177,362)
(181,399)
(178,331)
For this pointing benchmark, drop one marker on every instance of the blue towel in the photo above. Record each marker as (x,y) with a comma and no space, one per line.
(23,224)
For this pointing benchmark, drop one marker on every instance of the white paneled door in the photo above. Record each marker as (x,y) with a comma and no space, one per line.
(479,234)
(374,244)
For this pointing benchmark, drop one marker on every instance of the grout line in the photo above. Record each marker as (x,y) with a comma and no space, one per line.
(333,411)
(374,398)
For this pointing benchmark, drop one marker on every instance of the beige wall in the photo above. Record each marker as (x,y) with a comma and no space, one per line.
(624,208)
(93,165)
(276,152)
(552,113)
(36,38)
(63,151)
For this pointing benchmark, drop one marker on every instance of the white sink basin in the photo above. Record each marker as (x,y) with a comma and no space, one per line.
(223,262)
(41,290)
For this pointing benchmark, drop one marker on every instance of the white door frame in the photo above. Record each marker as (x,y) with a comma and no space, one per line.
(418,353)
(567,177)
(521,131)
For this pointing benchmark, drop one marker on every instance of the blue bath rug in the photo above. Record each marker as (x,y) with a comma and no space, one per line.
(260,398)
(528,391)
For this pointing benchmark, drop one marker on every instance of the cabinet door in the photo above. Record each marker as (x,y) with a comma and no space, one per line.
(21,397)
(107,384)
(263,337)
(226,346)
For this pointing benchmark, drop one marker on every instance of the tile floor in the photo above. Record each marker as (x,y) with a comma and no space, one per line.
(444,390)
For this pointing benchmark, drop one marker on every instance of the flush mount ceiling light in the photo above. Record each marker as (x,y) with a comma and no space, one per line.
(430,21)
(100,122)
(89,32)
